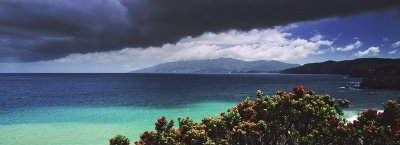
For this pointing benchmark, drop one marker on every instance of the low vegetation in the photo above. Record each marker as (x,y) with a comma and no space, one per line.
(298,117)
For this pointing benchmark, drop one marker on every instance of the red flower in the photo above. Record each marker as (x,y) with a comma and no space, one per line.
(351,127)
(239,105)
(370,111)
(287,95)
(332,120)
(299,91)
(341,127)
(396,130)
(298,88)
(222,113)
(323,126)
(163,118)
(179,119)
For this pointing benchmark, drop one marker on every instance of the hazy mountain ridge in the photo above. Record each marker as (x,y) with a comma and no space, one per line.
(376,73)
(220,65)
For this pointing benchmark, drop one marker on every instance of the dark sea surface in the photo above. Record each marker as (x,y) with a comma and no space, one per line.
(91,108)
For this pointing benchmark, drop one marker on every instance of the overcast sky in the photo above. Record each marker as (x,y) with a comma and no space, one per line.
(125,35)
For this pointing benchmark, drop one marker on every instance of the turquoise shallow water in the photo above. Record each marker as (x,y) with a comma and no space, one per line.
(89,109)
(93,125)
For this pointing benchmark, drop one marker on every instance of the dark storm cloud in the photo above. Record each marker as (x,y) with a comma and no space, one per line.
(33,30)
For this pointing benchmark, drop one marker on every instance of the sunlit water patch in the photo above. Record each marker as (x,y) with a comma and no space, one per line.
(80,125)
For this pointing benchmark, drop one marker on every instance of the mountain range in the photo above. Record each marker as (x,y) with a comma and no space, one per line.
(220,65)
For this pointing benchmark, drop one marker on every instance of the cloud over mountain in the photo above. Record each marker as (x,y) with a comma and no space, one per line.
(349,47)
(372,51)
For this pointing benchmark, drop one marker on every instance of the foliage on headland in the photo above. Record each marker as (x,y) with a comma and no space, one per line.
(298,117)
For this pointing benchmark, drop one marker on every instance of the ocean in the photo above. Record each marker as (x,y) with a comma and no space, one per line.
(88,109)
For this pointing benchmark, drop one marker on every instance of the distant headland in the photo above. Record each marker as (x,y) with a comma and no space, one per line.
(376,73)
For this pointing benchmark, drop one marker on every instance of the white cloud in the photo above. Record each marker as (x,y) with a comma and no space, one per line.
(392,52)
(385,39)
(349,47)
(317,37)
(270,44)
(396,44)
(372,51)
(266,44)
(257,44)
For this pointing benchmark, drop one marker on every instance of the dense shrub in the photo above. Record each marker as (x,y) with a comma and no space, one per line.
(299,117)
(119,140)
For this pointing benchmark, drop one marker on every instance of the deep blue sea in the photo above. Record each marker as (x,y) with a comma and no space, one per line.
(91,108)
